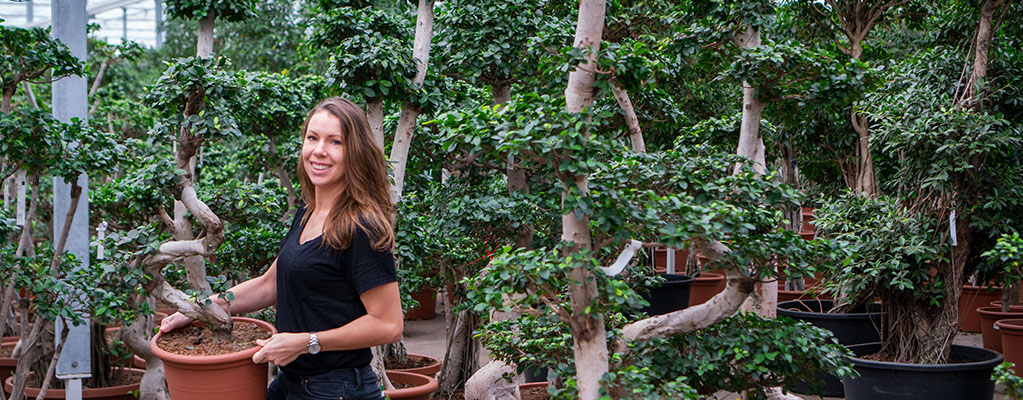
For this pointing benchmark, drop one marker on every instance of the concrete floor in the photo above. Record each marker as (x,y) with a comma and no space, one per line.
(429,337)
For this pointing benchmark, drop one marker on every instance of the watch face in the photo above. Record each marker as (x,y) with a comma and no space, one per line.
(313,349)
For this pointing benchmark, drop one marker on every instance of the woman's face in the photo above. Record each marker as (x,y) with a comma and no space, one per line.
(323,151)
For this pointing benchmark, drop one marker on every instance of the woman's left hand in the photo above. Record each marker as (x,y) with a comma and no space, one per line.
(281,348)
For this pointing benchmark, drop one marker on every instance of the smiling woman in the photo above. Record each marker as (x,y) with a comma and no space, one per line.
(334,281)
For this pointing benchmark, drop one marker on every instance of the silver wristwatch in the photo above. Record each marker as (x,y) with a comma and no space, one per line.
(314,343)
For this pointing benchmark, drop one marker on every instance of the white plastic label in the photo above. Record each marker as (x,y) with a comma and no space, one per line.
(952,228)
(623,258)
(21,184)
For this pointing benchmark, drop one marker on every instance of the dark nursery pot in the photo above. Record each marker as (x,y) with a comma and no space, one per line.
(860,326)
(671,295)
(973,297)
(1011,331)
(988,316)
(969,378)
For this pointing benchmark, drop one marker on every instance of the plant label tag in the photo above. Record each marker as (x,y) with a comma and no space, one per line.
(101,234)
(21,184)
(952,228)
(623,259)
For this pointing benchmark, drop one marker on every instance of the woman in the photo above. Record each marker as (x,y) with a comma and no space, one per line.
(334,281)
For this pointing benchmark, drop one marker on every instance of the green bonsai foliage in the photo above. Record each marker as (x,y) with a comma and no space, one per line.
(744,351)
(28,54)
(1005,376)
(231,10)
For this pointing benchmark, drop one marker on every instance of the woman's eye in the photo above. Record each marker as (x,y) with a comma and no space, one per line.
(336,142)
(311,138)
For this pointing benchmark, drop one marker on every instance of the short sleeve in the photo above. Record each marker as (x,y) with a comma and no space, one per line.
(369,267)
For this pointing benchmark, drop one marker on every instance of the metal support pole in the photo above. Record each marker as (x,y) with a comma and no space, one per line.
(30,12)
(158,15)
(124,23)
(670,260)
(69,101)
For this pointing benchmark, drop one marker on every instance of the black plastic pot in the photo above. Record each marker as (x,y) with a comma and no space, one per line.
(968,378)
(672,295)
(851,328)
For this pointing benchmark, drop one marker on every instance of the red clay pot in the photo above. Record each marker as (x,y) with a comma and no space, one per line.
(1011,332)
(8,364)
(706,286)
(124,392)
(807,214)
(427,308)
(428,370)
(225,377)
(423,388)
(988,315)
(971,298)
(661,260)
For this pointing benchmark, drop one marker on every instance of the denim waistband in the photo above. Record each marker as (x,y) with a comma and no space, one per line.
(348,374)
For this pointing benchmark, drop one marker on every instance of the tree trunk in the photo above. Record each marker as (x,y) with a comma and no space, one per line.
(375,115)
(136,336)
(865,182)
(282,175)
(980,60)
(31,96)
(410,111)
(635,133)
(204,39)
(589,342)
(8,94)
(501,92)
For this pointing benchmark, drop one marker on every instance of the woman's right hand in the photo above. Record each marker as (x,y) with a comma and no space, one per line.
(174,321)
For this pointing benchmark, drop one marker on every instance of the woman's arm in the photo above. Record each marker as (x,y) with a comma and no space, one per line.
(382,324)
(252,295)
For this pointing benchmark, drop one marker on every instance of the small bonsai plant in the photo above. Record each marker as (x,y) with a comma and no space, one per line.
(1008,253)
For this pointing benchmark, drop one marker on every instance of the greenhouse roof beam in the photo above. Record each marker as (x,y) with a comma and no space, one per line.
(96,9)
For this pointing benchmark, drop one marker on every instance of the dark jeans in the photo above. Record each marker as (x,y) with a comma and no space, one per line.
(339,384)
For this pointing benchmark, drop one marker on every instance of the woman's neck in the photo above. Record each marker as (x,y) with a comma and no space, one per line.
(325,198)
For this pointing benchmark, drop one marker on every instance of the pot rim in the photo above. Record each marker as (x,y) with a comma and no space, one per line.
(430,386)
(103,391)
(993,311)
(207,360)
(1009,324)
(991,362)
(822,315)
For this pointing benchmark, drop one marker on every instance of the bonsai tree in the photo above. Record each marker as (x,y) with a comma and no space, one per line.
(939,146)
(48,274)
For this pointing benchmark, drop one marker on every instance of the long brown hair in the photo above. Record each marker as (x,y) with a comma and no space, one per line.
(365,199)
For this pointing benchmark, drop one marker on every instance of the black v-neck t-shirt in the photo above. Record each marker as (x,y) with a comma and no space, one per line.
(318,289)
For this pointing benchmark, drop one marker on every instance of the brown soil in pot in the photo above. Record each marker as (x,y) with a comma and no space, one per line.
(534,393)
(410,362)
(197,340)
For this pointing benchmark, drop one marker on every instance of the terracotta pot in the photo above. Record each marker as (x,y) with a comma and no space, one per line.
(661,260)
(530,385)
(422,389)
(706,286)
(807,214)
(971,298)
(807,235)
(224,377)
(1011,332)
(988,315)
(428,370)
(8,364)
(124,392)
(427,308)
